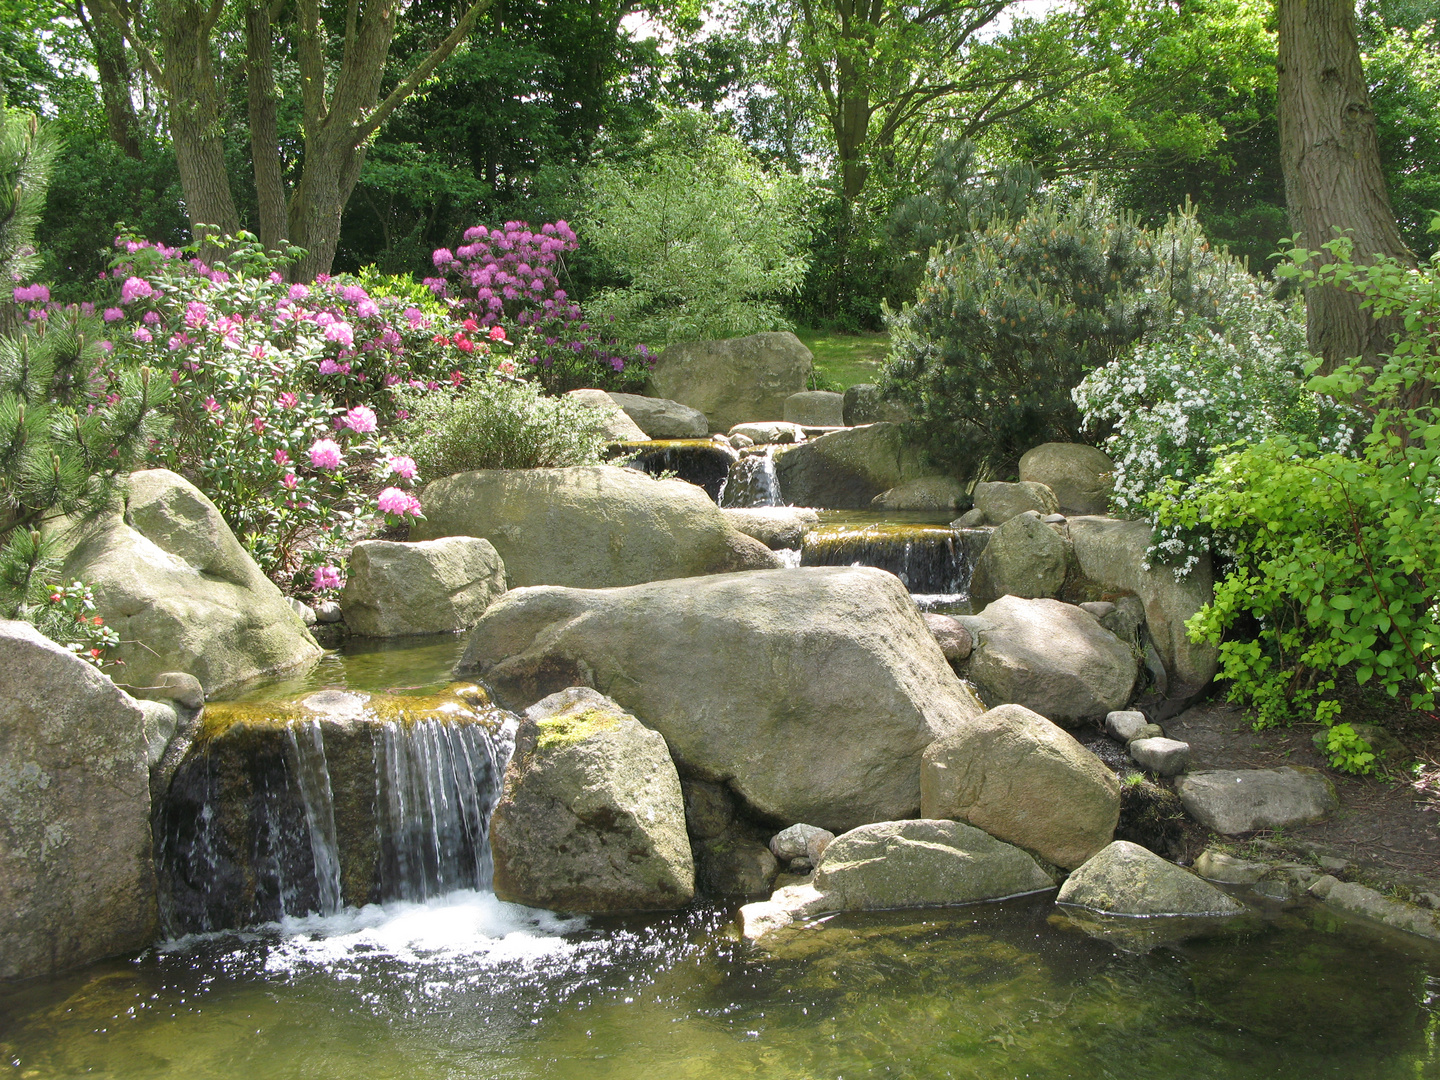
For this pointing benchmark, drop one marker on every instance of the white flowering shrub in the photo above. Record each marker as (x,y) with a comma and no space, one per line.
(1196,390)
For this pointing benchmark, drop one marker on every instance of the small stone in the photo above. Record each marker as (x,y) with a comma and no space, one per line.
(740,442)
(1098,608)
(792,843)
(800,866)
(1321,887)
(327,611)
(1331,865)
(1429,899)
(1150,731)
(1217,866)
(952,637)
(1165,757)
(971,519)
(178,686)
(1054,519)
(816,844)
(1125,724)
(304,610)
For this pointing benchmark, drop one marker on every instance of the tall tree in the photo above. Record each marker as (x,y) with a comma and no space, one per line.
(340,79)
(1331,158)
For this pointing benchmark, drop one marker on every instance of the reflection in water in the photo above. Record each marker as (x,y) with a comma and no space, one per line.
(470,987)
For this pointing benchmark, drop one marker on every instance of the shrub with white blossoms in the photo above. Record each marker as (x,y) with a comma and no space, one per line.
(1196,390)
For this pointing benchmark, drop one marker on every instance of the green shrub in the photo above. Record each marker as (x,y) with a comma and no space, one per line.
(499,423)
(706,240)
(1012,316)
(1335,558)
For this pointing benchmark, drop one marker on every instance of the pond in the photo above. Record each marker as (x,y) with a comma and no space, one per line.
(465,986)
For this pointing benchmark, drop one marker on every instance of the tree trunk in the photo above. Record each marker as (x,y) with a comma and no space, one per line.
(113,70)
(1331,159)
(193,101)
(263,107)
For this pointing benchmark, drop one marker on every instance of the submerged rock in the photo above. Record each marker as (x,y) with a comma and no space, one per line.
(592,526)
(734,380)
(428,587)
(77,882)
(811,692)
(592,818)
(1080,476)
(1126,879)
(847,469)
(1234,801)
(1050,657)
(183,594)
(1020,778)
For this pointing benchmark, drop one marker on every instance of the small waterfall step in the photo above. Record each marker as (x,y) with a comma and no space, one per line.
(333,799)
(934,561)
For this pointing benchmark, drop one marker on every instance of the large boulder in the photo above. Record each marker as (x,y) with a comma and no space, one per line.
(616,425)
(811,692)
(815,408)
(902,864)
(183,594)
(661,418)
(76,876)
(864,404)
(1053,658)
(1234,801)
(593,525)
(845,470)
(426,587)
(1111,557)
(774,526)
(592,818)
(997,502)
(734,380)
(1020,778)
(926,493)
(1025,557)
(1127,879)
(1080,476)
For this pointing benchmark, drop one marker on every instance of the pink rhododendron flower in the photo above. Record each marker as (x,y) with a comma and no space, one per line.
(325,454)
(150,318)
(286,400)
(142,335)
(111,314)
(299,292)
(258,424)
(394,501)
(361,419)
(195,314)
(367,308)
(341,332)
(402,466)
(135,289)
(211,405)
(32,294)
(497,333)
(326,577)
(107,346)
(179,341)
(506,366)
(290,480)
(281,457)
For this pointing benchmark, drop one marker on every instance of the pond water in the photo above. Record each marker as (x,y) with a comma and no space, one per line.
(464,986)
(470,987)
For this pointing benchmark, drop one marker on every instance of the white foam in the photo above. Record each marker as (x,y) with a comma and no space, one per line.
(465,924)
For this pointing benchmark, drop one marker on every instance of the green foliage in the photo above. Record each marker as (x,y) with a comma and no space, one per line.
(1011,317)
(1334,557)
(63,613)
(1200,388)
(706,240)
(27,153)
(499,423)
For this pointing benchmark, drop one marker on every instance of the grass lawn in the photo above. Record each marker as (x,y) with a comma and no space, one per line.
(846,359)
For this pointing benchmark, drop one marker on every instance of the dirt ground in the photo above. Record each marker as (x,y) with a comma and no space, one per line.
(1388,824)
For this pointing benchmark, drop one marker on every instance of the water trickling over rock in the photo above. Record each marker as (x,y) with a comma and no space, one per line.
(335,799)
(701,462)
(752,482)
(935,562)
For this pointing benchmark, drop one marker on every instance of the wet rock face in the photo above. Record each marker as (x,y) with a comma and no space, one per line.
(304,806)
(845,470)
(592,818)
(76,878)
(1126,879)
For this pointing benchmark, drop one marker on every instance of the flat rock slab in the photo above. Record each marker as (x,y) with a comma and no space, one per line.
(774,526)
(1127,879)
(615,424)
(1164,757)
(1359,900)
(1234,801)
(902,864)
(661,418)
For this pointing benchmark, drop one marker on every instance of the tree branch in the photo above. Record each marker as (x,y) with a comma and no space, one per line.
(147,59)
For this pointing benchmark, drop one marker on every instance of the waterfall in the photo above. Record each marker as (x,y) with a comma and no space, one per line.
(752,482)
(701,462)
(934,561)
(277,813)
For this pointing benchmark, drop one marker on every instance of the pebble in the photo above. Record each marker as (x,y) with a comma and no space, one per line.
(1124,725)
(328,611)
(1166,757)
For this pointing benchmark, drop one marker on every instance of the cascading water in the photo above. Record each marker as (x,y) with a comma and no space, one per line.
(338,799)
(701,462)
(752,482)
(935,562)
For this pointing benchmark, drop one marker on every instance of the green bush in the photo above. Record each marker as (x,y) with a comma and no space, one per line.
(499,423)
(706,240)
(1335,558)
(1009,319)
